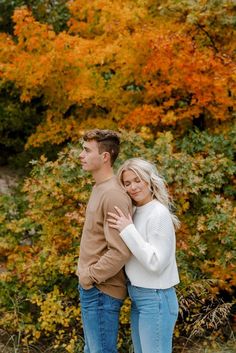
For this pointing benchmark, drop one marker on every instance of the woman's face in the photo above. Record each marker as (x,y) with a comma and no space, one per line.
(137,188)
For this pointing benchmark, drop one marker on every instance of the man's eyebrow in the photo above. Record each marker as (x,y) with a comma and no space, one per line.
(86,148)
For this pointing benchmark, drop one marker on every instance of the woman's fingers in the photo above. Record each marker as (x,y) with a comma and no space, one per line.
(113,226)
(112,220)
(113,215)
(118,220)
(112,223)
(121,214)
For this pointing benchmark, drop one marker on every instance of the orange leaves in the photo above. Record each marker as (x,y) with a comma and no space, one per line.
(226,275)
(31,34)
(145,115)
(116,63)
(7,51)
(182,81)
(55,130)
(106,17)
(44,63)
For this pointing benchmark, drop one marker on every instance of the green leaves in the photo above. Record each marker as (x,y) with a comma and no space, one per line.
(41,229)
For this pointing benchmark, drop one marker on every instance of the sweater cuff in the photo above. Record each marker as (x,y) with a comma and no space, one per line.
(127,230)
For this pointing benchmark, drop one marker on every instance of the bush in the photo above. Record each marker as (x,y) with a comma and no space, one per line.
(41,227)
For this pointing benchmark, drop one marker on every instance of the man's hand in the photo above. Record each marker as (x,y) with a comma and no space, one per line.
(85,280)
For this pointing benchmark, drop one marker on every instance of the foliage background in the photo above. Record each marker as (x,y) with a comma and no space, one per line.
(163,74)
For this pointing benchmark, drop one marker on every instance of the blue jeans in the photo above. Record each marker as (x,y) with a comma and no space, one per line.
(100,317)
(153,316)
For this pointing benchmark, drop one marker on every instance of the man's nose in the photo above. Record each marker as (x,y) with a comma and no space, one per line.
(81,155)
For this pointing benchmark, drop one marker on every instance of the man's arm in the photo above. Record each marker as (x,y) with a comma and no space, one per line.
(117,254)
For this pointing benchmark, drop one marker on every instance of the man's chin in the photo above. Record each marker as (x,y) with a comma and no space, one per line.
(85,168)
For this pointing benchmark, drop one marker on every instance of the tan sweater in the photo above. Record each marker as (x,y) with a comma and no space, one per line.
(102,251)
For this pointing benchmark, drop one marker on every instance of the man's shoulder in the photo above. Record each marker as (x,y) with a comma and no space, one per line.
(114,193)
(112,184)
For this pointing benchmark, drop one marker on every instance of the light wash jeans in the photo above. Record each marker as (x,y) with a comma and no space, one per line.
(100,317)
(153,316)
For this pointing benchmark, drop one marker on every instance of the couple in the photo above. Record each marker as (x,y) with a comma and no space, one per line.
(144,243)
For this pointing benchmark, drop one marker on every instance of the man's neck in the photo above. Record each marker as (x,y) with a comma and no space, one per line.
(102,175)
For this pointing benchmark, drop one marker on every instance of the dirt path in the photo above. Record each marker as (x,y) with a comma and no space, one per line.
(8,179)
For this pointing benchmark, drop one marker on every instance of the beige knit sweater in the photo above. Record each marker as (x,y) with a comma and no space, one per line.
(102,251)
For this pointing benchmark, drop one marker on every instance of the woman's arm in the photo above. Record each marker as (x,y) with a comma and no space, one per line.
(155,253)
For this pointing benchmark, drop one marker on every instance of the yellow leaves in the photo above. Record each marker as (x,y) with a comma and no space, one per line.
(16,226)
(146,133)
(167,136)
(55,130)
(67,264)
(125,312)
(36,334)
(176,332)
(185,206)
(183,203)
(170,118)
(55,311)
(57,192)
(201,224)
(10,320)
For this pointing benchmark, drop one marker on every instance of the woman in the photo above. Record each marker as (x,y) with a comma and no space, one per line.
(152,270)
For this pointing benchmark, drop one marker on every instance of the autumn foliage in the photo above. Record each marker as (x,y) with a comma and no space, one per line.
(41,229)
(116,65)
(164,74)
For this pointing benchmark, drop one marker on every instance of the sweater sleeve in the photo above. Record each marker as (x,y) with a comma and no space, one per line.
(117,253)
(155,252)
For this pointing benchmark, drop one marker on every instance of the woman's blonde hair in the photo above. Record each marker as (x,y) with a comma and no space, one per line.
(148,172)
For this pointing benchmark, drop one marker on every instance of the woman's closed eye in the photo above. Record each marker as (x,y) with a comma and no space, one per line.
(137,181)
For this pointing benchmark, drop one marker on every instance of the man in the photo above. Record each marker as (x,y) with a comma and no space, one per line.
(102,283)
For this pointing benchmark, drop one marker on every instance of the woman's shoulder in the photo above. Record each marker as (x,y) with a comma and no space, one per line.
(158,211)
(158,206)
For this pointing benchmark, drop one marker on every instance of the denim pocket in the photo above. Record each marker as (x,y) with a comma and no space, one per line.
(87,292)
(172,301)
(114,301)
(111,303)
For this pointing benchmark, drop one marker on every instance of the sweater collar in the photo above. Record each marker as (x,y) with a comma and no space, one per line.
(147,206)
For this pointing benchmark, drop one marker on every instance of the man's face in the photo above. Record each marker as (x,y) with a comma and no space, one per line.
(90,158)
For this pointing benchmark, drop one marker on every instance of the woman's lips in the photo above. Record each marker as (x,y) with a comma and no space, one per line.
(134,194)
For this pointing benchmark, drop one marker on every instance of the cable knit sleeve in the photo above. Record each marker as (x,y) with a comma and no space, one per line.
(155,248)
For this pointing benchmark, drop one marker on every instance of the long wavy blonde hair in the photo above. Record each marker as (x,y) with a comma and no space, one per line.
(148,172)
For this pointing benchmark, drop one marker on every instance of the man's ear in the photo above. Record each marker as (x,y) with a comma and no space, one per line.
(106,157)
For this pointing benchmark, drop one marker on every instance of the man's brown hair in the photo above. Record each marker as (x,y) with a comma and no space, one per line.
(107,140)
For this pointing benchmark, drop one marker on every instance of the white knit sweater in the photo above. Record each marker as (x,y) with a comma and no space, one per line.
(151,239)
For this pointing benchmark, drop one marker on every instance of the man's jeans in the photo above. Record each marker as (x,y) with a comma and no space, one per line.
(153,316)
(100,317)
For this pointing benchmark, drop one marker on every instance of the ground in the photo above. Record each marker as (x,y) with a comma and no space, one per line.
(8,179)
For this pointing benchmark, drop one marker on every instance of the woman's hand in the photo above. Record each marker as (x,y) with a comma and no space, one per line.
(119,220)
